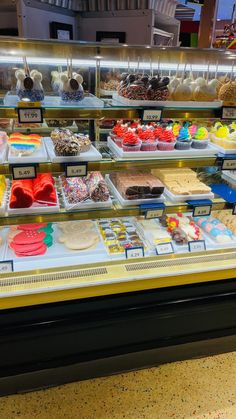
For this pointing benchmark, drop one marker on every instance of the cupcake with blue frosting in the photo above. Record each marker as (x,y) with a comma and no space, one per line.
(184,139)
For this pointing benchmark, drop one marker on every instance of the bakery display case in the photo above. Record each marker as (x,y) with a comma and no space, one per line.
(117,181)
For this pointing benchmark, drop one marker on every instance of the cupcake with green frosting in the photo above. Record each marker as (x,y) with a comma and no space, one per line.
(201,138)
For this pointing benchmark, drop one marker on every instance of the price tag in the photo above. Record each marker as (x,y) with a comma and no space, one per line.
(30,115)
(24,172)
(154,213)
(6,266)
(228,164)
(202,210)
(197,246)
(151,115)
(234,209)
(228,112)
(164,248)
(76,170)
(134,252)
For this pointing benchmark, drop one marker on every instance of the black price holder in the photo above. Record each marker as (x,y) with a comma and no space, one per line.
(201,207)
(23,171)
(76,169)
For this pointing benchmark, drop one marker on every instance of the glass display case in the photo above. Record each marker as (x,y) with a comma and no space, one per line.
(83,208)
(117,190)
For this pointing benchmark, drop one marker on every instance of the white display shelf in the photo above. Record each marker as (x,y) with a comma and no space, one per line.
(89,101)
(91,155)
(38,156)
(117,99)
(131,202)
(183,198)
(192,152)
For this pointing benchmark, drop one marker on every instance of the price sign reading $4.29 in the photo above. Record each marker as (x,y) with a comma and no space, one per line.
(76,170)
(134,252)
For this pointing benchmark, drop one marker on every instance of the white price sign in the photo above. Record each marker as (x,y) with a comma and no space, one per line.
(6,267)
(24,172)
(201,210)
(197,246)
(154,213)
(228,112)
(134,252)
(74,170)
(152,115)
(228,164)
(164,248)
(30,115)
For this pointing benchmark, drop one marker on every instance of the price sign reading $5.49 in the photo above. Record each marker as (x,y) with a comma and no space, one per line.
(76,170)
(24,172)
(30,115)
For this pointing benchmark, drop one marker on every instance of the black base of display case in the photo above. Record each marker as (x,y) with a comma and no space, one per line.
(51,344)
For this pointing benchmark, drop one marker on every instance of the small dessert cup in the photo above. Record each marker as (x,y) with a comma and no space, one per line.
(199,144)
(149,145)
(118,141)
(183,145)
(132,147)
(165,146)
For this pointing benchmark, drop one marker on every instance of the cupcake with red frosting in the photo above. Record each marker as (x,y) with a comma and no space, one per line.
(167,140)
(131,142)
(149,142)
(118,132)
(158,131)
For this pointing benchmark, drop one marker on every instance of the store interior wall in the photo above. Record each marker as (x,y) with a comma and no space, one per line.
(34,20)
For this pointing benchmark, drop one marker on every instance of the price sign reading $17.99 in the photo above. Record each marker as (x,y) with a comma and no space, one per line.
(24,172)
(30,115)
(76,170)
(134,252)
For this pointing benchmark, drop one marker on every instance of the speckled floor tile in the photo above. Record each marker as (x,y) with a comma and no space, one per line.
(204,388)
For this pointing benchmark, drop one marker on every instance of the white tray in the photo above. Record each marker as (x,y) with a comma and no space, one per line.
(131,202)
(165,103)
(89,204)
(91,155)
(89,101)
(183,198)
(34,209)
(5,196)
(38,156)
(229,177)
(3,153)
(223,150)
(192,152)
(104,92)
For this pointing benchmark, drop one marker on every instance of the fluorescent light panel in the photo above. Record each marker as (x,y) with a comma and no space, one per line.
(55,62)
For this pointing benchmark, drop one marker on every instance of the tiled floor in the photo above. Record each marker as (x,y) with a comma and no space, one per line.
(204,388)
